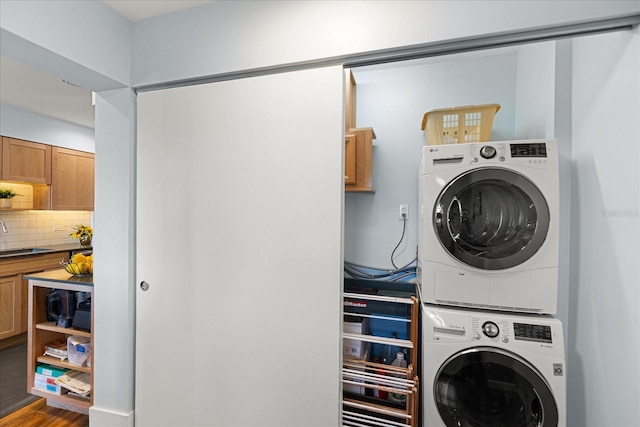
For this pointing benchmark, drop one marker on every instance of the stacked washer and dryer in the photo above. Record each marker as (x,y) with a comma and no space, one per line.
(493,352)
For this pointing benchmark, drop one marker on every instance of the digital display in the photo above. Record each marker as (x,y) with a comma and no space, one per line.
(529,150)
(537,333)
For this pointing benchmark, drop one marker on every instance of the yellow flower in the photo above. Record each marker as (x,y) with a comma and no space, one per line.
(82,230)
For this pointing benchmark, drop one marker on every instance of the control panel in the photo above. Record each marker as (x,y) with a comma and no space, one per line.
(492,330)
(482,152)
(538,149)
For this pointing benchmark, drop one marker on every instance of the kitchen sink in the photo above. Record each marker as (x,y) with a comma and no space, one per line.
(21,251)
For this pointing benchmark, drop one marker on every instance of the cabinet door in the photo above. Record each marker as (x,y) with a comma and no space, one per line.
(72,180)
(10,306)
(358,160)
(350,159)
(25,161)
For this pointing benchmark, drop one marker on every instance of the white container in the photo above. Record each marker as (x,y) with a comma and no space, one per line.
(79,350)
(354,349)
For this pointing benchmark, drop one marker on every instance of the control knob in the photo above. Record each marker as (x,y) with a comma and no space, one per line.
(490,329)
(488,152)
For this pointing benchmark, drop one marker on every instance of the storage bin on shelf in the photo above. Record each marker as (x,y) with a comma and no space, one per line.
(471,123)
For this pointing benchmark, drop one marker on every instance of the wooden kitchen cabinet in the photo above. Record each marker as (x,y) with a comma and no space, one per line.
(358,144)
(25,161)
(10,306)
(72,179)
(14,288)
(358,160)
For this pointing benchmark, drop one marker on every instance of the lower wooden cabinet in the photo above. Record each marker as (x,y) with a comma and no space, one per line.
(14,288)
(358,158)
(11,306)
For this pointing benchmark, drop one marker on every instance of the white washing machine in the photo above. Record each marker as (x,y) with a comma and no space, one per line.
(488,368)
(488,229)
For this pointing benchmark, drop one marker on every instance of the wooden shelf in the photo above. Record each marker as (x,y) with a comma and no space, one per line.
(62,364)
(62,398)
(51,326)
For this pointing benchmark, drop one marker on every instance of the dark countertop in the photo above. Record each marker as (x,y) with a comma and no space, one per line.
(44,249)
(61,276)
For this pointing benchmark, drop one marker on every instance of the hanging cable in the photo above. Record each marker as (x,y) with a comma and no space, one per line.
(404,227)
(367,267)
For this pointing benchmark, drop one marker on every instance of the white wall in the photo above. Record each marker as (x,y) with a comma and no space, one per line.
(535,91)
(604,299)
(22,124)
(113,275)
(84,42)
(228,36)
(392,99)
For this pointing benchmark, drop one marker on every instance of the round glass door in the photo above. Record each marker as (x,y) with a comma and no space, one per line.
(491,218)
(489,387)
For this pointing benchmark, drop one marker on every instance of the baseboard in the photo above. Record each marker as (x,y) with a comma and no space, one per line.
(100,417)
(13,341)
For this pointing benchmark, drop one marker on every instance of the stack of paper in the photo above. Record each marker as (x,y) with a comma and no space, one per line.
(57,349)
(76,382)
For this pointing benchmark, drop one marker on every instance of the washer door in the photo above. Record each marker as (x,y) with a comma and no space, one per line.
(491,218)
(489,387)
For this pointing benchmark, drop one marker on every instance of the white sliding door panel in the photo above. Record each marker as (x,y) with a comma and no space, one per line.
(239,219)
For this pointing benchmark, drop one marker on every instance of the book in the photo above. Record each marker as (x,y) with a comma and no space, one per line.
(47,383)
(49,370)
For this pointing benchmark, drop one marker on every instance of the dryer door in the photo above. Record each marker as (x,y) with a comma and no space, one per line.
(489,387)
(491,218)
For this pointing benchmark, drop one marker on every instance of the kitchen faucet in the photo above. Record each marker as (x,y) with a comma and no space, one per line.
(4,227)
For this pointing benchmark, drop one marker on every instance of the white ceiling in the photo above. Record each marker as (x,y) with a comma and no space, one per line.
(135,10)
(36,91)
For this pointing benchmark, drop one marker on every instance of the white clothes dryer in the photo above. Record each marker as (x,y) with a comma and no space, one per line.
(488,368)
(488,227)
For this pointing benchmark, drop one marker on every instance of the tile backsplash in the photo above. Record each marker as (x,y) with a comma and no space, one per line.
(32,228)
(24,199)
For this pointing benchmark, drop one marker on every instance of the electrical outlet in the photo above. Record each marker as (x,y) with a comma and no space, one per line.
(404,212)
(57,227)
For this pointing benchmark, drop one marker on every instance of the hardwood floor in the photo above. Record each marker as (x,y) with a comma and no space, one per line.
(38,414)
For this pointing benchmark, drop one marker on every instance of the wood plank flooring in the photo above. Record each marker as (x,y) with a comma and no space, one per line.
(38,414)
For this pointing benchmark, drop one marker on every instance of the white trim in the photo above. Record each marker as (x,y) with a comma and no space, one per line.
(99,417)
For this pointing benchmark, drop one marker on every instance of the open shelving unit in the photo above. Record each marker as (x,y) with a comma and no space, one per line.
(42,332)
(372,380)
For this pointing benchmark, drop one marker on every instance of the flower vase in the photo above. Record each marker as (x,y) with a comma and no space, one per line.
(5,203)
(85,241)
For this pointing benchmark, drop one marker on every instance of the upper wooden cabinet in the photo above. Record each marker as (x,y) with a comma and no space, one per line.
(358,159)
(25,161)
(349,100)
(358,144)
(72,179)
